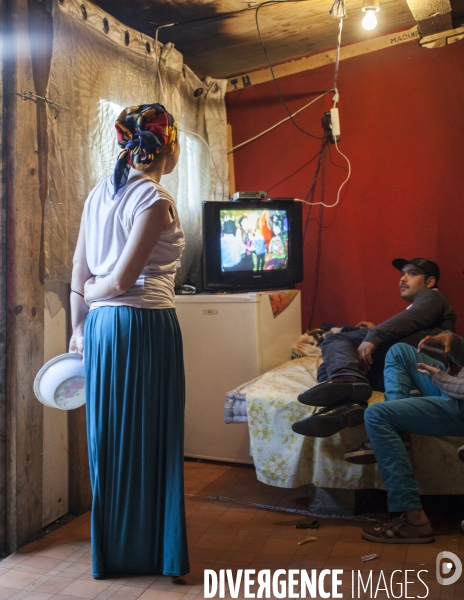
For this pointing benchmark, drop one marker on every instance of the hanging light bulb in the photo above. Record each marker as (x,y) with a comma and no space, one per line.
(370,20)
(370,7)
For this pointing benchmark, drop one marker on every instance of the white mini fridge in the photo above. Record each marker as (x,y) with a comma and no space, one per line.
(228,340)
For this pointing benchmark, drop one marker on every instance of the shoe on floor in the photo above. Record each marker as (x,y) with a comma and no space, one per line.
(330,420)
(343,389)
(398,531)
(461,453)
(364,455)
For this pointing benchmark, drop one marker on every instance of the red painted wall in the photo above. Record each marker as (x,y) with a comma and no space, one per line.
(402,128)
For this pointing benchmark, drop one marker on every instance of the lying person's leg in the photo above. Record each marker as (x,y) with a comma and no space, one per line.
(340,375)
(339,354)
(384,421)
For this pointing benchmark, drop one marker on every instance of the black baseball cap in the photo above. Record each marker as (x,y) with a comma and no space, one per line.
(430,268)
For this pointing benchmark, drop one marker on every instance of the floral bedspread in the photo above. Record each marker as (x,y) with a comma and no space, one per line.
(285,459)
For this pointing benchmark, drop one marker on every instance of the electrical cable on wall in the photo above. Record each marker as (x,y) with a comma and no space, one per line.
(279,123)
(320,170)
(290,116)
(335,100)
(337,11)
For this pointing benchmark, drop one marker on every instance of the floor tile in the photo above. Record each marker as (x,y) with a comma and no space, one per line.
(84,589)
(17,579)
(226,535)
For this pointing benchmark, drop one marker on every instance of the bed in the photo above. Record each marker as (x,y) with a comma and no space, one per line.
(284,459)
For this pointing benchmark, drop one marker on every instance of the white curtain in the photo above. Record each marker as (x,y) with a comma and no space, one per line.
(94,74)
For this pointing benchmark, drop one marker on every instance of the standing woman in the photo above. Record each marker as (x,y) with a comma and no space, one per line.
(127,253)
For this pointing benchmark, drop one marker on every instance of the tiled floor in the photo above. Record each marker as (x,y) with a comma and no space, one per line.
(225,535)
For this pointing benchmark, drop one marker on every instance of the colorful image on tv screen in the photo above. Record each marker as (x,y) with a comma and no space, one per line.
(254,239)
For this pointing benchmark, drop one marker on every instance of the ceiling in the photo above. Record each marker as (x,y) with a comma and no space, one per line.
(219,37)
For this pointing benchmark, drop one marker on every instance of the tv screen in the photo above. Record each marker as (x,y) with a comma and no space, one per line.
(250,245)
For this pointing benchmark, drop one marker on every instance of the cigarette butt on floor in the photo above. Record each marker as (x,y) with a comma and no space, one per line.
(369,557)
(306,540)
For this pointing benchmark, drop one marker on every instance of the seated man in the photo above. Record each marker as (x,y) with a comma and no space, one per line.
(439,412)
(354,360)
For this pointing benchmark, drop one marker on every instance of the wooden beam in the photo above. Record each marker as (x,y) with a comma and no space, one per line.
(424,9)
(444,38)
(432,16)
(435,24)
(25,296)
(318,60)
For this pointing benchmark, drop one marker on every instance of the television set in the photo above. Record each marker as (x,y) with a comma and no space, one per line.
(252,245)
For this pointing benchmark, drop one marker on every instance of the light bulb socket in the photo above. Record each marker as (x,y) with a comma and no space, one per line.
(371,5)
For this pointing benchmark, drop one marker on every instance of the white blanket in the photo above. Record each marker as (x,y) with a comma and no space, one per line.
(285,459)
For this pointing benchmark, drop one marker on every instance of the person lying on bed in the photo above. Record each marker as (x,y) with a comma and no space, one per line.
(439,411)
(353,361)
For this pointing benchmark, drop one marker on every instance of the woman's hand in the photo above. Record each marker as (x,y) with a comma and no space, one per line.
(430,370)
(443,339)
(88,290)
(77,341)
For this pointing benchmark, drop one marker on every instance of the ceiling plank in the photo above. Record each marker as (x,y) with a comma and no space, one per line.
(222,45)
(318,60)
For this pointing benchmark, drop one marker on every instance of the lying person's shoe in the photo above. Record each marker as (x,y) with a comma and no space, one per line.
(364,455)
(342,389)
(398,531)
(330,420)
(461,453)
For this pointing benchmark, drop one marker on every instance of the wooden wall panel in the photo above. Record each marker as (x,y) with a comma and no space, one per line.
(2,305)
(80,493)
(24,298)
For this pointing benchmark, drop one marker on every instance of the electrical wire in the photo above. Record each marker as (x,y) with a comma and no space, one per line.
(279,123)
(338,10)
(219,17)
(307,163)
(320,170)
(210,155)
(267,3)
(158,63)
(337,60)
(339,189)
(335,100)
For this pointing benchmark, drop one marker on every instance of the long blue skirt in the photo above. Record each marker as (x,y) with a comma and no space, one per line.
(135,429)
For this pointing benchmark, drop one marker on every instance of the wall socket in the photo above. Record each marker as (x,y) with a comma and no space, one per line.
(332,123)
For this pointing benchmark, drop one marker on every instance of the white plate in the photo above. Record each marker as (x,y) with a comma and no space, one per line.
(60,383)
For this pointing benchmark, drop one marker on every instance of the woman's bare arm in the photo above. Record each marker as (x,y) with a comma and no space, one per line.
(79,309)
(142,240)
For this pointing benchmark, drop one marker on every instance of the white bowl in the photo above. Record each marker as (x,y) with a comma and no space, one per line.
(60,383)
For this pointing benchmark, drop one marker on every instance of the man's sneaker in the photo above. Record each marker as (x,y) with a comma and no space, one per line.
(364,455)
(461,453)
(398,531)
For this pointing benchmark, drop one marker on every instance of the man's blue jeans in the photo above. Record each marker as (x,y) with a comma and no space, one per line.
(432,414)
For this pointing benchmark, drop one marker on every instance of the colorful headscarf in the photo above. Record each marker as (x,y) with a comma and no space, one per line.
(143,132)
